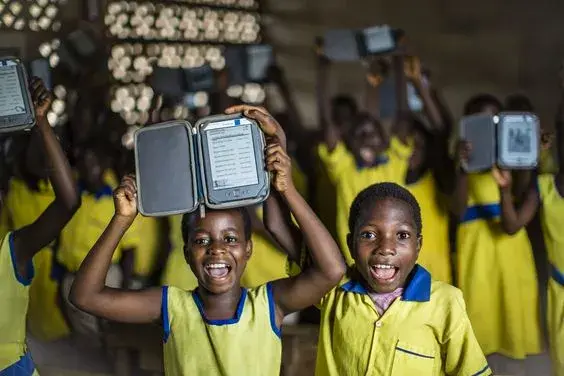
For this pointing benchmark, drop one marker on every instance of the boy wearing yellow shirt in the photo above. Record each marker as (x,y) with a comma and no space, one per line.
(390,317)
(213,329)
(20,246)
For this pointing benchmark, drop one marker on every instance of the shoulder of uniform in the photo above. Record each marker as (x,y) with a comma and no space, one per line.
(446,294)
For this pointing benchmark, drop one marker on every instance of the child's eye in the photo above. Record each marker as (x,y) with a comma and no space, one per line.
(231,239)
(202,241)
(403,235)
(367,235)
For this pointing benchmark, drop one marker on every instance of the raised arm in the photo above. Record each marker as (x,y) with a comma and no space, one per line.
(276,216)
(514,218)
(415,75)
(331,133)
(327,268)
(31,239)
(89,291)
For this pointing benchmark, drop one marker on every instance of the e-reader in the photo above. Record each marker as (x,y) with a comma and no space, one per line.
(199,78)
(518,140)
(480,131)
(248,63)
(388,100)
(232,161)
(16,106)
(219,163)
(40,68)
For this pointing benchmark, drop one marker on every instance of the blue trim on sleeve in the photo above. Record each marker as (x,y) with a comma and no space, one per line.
(29,267)
(414,353)
(482,212)
(164,314)
(354,286)
(233,320)
(272,310)
(23,367)
(557,275)
(481,372)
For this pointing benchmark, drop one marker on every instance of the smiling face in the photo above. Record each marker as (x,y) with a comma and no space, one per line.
(385,244)
(367,141)
(217,250)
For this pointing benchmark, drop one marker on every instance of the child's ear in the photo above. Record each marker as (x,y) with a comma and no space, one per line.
(419,243)
(350,242)
(249,250)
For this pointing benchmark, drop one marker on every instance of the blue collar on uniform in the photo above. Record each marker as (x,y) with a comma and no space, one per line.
(418,287)
(380,160)
(105,191)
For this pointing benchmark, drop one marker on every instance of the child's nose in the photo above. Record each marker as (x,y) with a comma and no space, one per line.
(387,246)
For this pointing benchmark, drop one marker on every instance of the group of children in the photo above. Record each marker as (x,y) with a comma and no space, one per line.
(383,288)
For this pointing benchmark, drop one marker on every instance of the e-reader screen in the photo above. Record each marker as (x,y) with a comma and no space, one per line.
(518,143)
(378,39)
(231,154)
(11,94)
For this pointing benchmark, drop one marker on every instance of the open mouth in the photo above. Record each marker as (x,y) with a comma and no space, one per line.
(367,154)
(383,273)
(217,270)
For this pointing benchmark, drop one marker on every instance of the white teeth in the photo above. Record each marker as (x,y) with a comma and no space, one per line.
(216,266)
(382,266)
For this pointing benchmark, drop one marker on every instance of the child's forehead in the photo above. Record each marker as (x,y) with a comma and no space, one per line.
(387,209)
(217,220)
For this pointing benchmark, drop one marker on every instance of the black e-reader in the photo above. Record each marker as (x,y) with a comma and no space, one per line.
(16,107)
(377,40)
(353,45)
(219,164)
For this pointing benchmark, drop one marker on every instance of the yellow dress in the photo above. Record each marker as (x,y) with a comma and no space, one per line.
(552,219)
(248,344)
(146,250)
(14,293)
(22,207)
(435,253)
(496,273)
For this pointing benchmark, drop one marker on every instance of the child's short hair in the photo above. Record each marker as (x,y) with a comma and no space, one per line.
(475,104)
(366,199)
(244,212)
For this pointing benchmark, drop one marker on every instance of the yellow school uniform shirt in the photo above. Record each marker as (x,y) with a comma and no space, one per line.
(349,180)
(86,226)
(552,219)
(435,253)
(248,344)
(425,332)
(496,272)
(22,206)
(14,293)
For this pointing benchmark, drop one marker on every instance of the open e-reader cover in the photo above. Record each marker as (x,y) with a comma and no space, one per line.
(479,130)
(16,107)
(218,163)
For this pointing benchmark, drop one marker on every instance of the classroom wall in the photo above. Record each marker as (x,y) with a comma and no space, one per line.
(499,46)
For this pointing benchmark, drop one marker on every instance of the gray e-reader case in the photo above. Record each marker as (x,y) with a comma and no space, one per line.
(218,163)
(16,106)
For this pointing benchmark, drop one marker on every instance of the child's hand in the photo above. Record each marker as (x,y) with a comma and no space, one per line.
(502,177)
(125,198)
(41,97)
(412,66)
(546,139)
(273,132)
(463,150)
(279,163)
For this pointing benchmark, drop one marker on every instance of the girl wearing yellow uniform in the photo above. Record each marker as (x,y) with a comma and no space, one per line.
(552,219)
(19,247)
(219,328)
(495,265)
(21,207)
